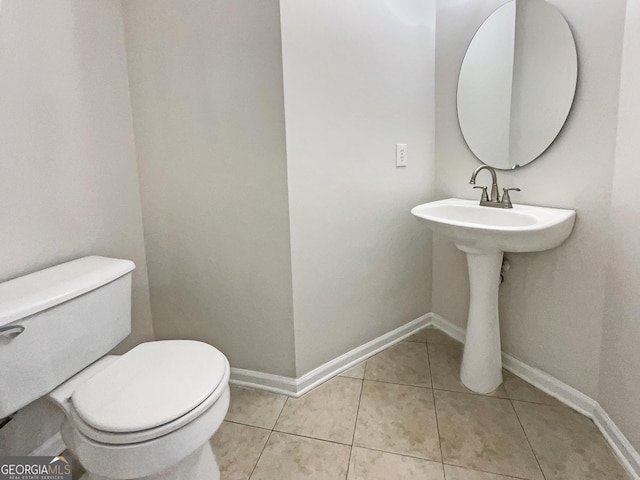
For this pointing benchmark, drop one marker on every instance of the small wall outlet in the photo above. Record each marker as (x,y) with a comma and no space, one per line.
(401,155)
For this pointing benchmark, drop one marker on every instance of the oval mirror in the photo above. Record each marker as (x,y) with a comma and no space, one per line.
(517,83)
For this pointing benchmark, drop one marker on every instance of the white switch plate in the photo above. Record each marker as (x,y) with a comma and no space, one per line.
(401,155)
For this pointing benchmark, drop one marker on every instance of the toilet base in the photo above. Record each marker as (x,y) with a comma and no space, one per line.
(184,454)
(200,465)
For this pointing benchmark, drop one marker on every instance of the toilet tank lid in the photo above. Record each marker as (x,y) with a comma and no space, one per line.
(33,293)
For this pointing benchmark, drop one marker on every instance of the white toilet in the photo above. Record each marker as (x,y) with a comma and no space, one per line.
(148,414)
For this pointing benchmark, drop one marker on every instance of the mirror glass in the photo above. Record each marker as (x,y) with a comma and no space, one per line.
(517,83)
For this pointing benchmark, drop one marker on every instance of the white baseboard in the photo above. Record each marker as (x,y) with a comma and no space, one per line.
(628,456)
(550,385)
(263,381)
(296,387)
(449,328)
(338,365)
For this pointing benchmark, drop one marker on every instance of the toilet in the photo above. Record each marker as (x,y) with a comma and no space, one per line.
(147,414)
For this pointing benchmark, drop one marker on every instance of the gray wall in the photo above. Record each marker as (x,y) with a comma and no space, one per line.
(206,88)
(552,303)
(358,79)
(69,184)
(220,192)
(620,358)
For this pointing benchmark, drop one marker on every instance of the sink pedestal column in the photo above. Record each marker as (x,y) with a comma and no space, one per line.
(481,369)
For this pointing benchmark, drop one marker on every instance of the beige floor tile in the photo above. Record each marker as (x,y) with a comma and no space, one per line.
(518,389)
(437,336)
(328,412)
(420,336)
(406,363)
(355,372)
(368,464)
(288,457)
(445,363)
(459,473)
(254,407)
(397,419)
(483,433)
(567,444)
(237,448)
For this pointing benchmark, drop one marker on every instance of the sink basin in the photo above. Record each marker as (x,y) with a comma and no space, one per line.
(484,233)
(523,228)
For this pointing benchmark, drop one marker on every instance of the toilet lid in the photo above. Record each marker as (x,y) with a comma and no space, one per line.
(152,384)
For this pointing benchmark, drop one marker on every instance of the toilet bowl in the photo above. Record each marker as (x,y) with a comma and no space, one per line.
(147,414)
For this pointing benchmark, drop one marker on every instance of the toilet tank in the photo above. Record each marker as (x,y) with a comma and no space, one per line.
(56,322)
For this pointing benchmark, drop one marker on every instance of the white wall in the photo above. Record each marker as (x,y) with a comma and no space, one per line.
(358,78)
(206,87)
(206,82)
(552,302)
(68,182)
(620,358)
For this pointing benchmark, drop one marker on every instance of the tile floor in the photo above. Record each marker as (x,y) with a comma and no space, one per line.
(403,414)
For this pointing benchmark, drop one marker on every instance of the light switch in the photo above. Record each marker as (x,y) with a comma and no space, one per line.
(401,155)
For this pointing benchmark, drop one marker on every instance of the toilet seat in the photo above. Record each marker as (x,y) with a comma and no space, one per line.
(150,391)
(111,438)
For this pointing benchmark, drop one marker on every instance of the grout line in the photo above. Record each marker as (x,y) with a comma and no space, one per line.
(247,425)
(260,456)
(484,395)
(268,438)
(527,437)
(353,436)
(280,414)
(396,383)
(408,455)
(346,475)
(355,424)
(470,392)
(335,442)
(484,471)
(435,412)
(559,405)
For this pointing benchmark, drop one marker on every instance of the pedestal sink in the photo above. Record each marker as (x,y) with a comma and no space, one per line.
(484,233)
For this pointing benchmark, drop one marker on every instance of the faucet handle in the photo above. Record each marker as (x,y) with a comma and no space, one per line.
(506,199)
(485,195)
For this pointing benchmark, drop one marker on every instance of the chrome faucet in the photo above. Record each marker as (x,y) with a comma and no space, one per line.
(495,196)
